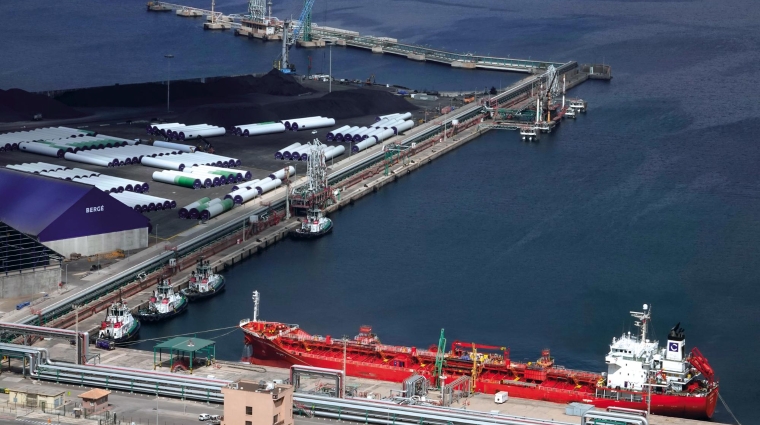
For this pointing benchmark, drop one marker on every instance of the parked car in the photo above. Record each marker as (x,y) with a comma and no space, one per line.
(216,417)
(204,417)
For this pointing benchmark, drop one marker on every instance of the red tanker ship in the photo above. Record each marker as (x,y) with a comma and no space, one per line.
(680,384)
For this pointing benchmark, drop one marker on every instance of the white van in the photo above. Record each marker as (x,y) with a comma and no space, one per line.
(501,397)
(204,417)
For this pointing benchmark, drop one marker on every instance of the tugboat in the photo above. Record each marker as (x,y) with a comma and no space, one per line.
(314,226)
(570,113)
(164,304)
(119,327)
(204,282)
(530,133)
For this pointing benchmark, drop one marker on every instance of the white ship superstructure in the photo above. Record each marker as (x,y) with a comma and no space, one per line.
(636,363)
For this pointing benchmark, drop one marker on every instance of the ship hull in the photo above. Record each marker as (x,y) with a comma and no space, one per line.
(266,352)
(299,234)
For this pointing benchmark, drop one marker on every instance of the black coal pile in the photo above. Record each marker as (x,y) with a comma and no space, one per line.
(339,105)
(20,105)
(148,94)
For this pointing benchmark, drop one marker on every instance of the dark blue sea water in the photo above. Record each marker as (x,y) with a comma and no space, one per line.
(651,197)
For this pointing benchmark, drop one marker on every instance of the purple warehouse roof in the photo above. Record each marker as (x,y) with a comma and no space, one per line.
(53,209)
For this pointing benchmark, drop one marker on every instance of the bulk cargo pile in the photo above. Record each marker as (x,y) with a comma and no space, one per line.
(337,105)
(182,92)
(20,105)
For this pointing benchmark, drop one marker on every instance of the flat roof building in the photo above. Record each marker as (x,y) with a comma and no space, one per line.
(252,403)
(35,397)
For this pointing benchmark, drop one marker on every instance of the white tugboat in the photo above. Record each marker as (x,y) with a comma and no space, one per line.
(314,225)
(570,113)
(204,282)
(579,105)
(118,327)
(529,133)
(164,304)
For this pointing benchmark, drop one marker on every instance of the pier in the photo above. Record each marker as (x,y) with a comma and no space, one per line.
(272,28)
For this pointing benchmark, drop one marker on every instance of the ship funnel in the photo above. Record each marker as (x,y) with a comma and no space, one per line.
(255,306)
(676,343)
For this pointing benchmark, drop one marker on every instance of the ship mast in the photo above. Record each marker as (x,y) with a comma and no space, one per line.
(255,306)
(643,318)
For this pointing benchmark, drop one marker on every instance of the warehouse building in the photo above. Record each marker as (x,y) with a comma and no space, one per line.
(69,217)
(26,266)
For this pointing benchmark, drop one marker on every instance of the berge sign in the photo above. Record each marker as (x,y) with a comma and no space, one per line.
(100,208)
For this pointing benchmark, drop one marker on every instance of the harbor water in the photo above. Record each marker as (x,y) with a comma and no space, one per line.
(652,196)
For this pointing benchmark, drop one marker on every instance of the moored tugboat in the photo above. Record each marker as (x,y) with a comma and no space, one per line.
(164,304)
(118,327)
(313,226)
(204,282)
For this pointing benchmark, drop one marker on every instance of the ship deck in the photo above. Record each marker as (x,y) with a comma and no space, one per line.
(235,371)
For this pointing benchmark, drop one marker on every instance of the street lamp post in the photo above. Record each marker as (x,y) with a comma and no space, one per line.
(168,78)
(330,67)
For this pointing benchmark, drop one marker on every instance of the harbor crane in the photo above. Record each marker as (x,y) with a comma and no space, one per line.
(291,32)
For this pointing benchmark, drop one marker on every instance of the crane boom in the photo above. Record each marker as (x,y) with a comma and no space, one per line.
(460,344)
(288,40)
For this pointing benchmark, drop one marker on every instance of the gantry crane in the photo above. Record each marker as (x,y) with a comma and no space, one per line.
(291,31)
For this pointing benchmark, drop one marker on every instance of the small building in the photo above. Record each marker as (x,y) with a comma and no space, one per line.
(252,403)
(36,397)
(95,397)
(185,353)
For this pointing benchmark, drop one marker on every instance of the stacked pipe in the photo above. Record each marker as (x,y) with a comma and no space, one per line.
(232,176)
(259,128)
(184,212)
(36,167)
(144,203)
(11,141)
(110,183)
(401,116)
(331,135)
(197,178)
(244,193)
(280,154)
(74,173)
(206,208)
(307,123)
(180,131)
(179,162)
(182,180)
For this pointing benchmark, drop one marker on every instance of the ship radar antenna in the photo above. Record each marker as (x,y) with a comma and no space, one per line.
(643,320)
(255,306)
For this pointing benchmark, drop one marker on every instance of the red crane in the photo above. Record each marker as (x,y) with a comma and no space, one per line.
(458,345)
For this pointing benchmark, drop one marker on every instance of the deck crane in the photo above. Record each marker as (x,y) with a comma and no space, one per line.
(440,362)
(289,39)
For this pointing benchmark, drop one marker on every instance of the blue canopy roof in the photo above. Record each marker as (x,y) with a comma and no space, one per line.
(53,209)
